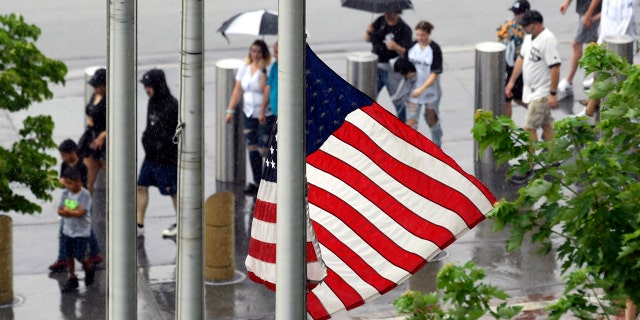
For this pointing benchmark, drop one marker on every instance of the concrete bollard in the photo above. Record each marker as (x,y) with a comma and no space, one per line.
(231,153)
(362,72)
(6,260)
(621,44)
(219,237)
(489,95)
(425,279)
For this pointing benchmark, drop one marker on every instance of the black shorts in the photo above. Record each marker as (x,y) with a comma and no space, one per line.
(517,88)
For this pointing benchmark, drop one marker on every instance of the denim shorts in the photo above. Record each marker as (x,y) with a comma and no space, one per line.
(74,247)
(163,176)
(256,133)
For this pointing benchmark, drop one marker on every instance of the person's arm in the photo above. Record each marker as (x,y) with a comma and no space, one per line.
(368,36)
(430,81)
(263,106)
(565,6)
(517,70)
(589,16)
(233,101)
(78,212)
(553,89)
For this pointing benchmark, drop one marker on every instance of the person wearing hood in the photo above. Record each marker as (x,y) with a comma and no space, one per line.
(160,165)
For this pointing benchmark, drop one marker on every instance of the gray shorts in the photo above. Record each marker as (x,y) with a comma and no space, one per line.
(538,114)
(586,35)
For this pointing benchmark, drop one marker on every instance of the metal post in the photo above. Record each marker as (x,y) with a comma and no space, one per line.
(291,226)
(489,95)
(362,72)
(622,44)
(121,153)
(190,279)
(230,156)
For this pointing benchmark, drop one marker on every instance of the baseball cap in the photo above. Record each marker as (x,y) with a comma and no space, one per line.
(530,17)
(520,6)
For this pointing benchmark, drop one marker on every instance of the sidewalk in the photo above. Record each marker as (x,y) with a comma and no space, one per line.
(530,279)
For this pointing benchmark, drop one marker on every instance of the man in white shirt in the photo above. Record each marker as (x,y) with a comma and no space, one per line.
(539,63)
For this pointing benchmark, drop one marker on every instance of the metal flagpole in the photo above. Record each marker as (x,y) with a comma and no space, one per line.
(189,282)
(291,227)
(121,152)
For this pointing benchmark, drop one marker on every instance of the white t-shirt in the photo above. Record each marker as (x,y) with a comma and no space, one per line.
(427,60)
(618,17)
(539,55)
(252,93)
(72,226)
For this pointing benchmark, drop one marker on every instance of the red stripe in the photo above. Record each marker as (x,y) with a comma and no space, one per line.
(315,307)
(353,260)
(264,211)
(413,223)
(422,184)
(266,252)
(416,139)
(262,251)
(367,231)
(258,280)
(347,295)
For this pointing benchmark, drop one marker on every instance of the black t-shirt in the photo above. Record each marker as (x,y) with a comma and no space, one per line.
(401,33)
(98,113)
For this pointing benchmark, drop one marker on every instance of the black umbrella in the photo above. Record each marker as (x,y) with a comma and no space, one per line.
(378,6)
(256,23)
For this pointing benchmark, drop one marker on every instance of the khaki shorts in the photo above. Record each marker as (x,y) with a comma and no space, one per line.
(538,114)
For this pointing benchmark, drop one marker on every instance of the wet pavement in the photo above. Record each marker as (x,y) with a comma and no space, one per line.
(530,279)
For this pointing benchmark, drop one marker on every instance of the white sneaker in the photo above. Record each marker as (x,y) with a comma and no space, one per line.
(564,85)
(564,90)
(171,231)
(140,231)
(587,83)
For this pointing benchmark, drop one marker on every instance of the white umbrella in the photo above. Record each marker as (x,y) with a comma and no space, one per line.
(256,23)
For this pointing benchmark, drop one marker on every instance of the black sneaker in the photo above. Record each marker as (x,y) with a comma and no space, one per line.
(70,285)
(521,178)
(251,189)
(89,275)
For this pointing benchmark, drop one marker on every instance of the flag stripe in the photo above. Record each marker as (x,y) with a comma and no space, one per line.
(372,225)
(435,219)
(386,128)
(347,297)
(352,262)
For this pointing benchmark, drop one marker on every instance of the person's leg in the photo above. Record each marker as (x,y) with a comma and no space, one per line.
(573,64)
(413,112)
(143,201)
(72,282)
(383,80)
(251,134)
(166,177)
(432,116)
(94,248)
(93,166)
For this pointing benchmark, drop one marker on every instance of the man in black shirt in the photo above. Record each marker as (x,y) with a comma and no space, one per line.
(390,37)
(160,165)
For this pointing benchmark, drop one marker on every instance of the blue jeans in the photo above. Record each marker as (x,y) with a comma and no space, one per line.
(383,81)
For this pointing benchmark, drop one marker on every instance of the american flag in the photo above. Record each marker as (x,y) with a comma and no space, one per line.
(382,199)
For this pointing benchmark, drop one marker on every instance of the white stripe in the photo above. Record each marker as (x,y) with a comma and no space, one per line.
(266,231)
(264,270)
(360,247)
(417,159)
(263,231)
(328,298)
(268,191)
(421,206)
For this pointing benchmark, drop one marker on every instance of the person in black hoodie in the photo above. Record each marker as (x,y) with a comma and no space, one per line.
(160,165)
